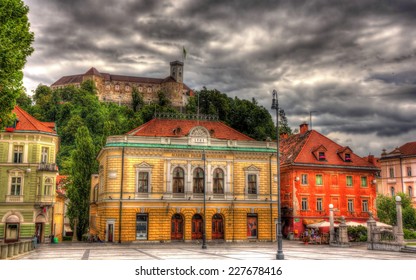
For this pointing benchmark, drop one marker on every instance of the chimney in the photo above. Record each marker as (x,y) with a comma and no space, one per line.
(284,135)
(370,159)
(304,128)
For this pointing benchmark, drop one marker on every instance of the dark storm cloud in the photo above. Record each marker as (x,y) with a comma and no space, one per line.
(350,61)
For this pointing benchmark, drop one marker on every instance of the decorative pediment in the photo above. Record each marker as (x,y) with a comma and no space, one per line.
(252,168)
(143,165)
(199,131)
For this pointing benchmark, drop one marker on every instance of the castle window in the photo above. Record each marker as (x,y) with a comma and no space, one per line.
(127,88)
(117,87)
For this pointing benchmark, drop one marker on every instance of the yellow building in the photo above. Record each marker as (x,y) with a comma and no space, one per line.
(150,185)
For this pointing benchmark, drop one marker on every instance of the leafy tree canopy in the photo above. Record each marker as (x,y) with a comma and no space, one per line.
(15,45)
(386,210)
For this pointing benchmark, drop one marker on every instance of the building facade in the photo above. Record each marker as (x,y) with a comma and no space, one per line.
(28,173)
(151,182)
(317,172)
(118,88)
(398,171)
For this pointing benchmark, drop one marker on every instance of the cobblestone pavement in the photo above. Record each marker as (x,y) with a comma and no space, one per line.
(292,250)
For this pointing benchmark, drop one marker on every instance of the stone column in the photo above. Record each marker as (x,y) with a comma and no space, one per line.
(21,247)
(10,252)
(4,251)
(343,233)
(16,248)
(331,224)
(399,235)
(371,225)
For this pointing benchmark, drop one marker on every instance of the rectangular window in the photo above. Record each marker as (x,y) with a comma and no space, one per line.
(304,179)
(322,156)
(44,155)
(16,186)
(319,204)
(141,226)
(304,203)
(252,183)
(319,180)
(350,205)
(409,171)
(348,157)
(12,232)
(143,185)
(391,172)
(365,205)
(349,181)
(363,181)
(18,154)
(252,226)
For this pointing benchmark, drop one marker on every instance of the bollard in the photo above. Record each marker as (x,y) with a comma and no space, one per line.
(16,248)
(26,246)
(21,247)
(10,253)
(4,251)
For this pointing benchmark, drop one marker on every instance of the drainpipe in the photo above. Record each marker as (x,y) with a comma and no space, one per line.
(401,174)
(121,195)
(270,197)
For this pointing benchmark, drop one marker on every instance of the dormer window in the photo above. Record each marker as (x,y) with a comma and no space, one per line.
(320,152)
(348,157)
(321,156)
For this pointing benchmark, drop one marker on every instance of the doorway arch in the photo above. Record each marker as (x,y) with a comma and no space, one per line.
(176,227)
(217,227)
(197,224)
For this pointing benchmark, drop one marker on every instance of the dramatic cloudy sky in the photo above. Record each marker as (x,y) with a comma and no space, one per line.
(351,63)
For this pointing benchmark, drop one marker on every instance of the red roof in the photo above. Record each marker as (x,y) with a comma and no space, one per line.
(408,149)
(28,123)
(300,148)
(169,128)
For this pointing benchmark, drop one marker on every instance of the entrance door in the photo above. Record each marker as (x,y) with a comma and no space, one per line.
(110,231)
(177,227)
(217,227)
(141,226)
(197,227)
(39,232)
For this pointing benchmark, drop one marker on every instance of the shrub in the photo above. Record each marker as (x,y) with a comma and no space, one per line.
(357,233)
(409,234)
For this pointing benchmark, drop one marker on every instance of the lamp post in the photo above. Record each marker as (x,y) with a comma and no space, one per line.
(331,224)
(204,245)
(279,255)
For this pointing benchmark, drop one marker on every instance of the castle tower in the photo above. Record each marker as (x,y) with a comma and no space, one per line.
(176,71)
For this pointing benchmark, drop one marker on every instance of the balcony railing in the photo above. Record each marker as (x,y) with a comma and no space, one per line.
(44,199)
(52,167)
(14,198)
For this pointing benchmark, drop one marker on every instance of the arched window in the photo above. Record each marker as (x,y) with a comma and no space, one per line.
(178,180)
(218,187)
(198,180)
(392,191)
(95,197)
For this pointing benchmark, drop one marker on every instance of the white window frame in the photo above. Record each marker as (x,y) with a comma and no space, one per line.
(304,204)
(304,179)
(352,181)
(364,204)
(44,157)
(18,149)
(47,187)
(252,170)
(147,168)
(319,204)
(350,205)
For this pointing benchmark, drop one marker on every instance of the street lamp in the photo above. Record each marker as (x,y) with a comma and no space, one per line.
(279,255)
(204,245)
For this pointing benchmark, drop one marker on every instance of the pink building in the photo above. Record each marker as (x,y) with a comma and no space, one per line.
(398,171)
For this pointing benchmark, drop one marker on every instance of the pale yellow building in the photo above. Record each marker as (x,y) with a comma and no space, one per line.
(150,185)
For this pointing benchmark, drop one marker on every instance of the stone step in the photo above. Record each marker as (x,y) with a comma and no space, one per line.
(408,250)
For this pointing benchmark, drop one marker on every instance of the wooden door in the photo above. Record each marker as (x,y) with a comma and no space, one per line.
(217,227)
(177,227)
(197,226)
(110,233)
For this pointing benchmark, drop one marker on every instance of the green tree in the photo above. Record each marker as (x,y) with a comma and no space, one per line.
(386,210)
(15,46)
(283,123)
(163,99)
(24,101)
(82,166)
(137,99)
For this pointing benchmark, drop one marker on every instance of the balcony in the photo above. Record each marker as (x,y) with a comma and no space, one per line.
(49,167)
(44,200)
(14,198)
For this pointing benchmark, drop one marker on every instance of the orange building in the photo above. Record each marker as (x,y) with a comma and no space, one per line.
(316,172)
